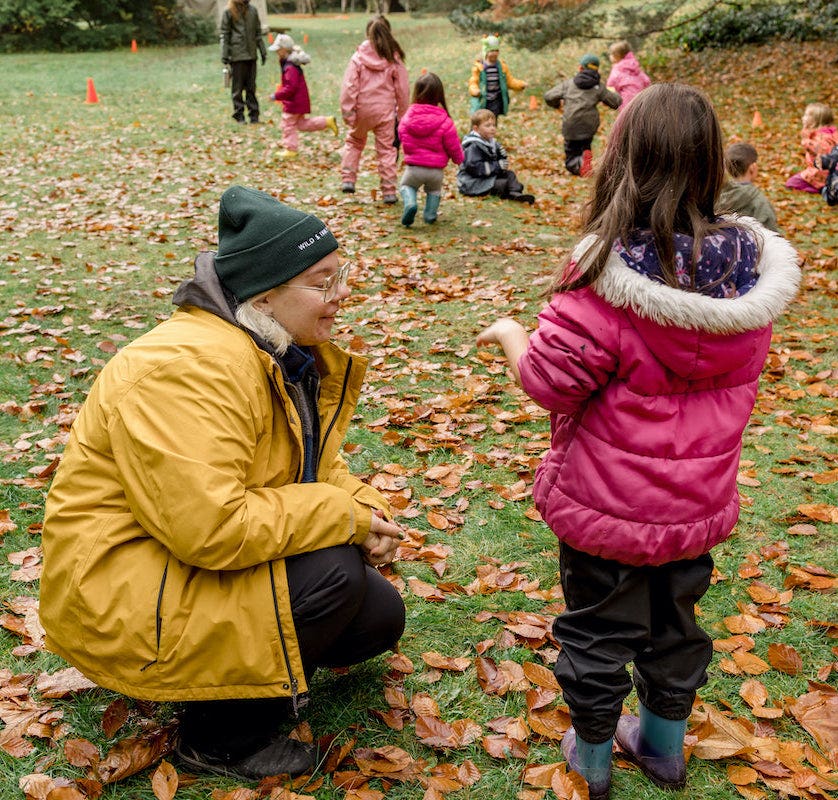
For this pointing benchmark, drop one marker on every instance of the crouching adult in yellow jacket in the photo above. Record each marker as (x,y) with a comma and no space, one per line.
(204,541)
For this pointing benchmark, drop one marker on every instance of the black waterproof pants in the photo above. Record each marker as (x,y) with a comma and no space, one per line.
(616,614)
(344,612)
(573,150)
(506,184)
(243,90)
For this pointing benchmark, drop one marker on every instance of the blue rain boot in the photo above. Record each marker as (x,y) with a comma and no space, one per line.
(591,761)
(656,745)
(408,194)
(431,207)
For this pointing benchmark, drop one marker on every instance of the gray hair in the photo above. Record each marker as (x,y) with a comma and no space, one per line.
(249,317)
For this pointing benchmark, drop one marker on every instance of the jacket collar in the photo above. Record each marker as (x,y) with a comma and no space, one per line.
(776,287)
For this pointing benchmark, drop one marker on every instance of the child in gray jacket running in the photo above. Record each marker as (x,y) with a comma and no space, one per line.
(581,95)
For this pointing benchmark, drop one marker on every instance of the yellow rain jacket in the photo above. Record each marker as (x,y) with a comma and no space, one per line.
(175,504)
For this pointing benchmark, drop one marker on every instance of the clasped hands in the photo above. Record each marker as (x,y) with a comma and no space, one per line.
(382,541)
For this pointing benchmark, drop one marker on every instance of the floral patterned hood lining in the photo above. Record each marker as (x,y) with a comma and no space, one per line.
(729,249)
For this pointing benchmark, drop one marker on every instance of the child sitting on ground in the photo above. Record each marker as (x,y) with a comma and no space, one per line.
(485,168)
(818,137)
(580,121)
(739,194)
(293,94)
(627,77)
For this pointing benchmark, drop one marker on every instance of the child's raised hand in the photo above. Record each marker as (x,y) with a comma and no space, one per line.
(511,336)
(498,331)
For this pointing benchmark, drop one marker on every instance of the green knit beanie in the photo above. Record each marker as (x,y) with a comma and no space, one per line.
(263,243)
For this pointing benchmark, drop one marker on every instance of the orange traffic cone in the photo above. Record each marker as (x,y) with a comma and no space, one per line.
(305,38)
(270,38)
(92,97)
(756,122)
(133,45)
(533,102)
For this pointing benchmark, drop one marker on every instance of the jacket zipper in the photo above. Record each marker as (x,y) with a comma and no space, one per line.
(291,678)
(158,621)
(339,407)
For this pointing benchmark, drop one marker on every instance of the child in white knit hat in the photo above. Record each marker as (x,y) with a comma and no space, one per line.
(293,94)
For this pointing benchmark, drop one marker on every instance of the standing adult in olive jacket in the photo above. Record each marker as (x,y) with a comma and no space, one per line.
(241,37)
(204,540)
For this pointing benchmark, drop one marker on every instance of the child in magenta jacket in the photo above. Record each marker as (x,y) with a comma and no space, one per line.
(648,358)
(429,139)
(627,77)
(293,94)
(375,90)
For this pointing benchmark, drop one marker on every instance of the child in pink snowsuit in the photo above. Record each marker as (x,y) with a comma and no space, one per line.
(627,77)
(375,90)
(293,94)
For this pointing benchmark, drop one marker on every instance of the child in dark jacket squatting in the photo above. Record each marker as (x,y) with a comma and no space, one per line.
(485,168)
(648,358)
(580,96)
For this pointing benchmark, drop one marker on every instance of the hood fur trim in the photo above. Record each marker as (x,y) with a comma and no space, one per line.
(776,287)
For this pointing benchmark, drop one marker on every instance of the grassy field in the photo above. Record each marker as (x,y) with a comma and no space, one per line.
(104,206)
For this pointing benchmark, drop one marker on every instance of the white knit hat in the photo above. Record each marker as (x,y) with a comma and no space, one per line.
(283,41)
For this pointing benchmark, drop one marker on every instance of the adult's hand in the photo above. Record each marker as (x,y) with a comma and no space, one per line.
(384,538)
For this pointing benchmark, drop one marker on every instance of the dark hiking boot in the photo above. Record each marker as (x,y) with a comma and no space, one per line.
(283,756)
(522,198)
(599,777)
(668,772)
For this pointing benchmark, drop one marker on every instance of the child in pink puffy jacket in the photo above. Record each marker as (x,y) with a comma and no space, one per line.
(293,94)
(627,77)
(375,90)
(817,138)
(648,358)
(429,139)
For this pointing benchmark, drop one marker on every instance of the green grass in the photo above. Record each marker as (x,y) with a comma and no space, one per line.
(103,208)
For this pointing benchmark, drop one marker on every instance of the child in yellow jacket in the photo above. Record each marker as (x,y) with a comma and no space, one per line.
(491,80)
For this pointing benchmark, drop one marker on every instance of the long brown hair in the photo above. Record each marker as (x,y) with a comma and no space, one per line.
(235,7)
(428,89)
(662,171)
(380,35)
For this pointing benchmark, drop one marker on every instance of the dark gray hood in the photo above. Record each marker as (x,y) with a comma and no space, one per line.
(205,291)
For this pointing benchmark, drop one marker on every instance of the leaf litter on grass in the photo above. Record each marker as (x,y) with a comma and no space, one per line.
(418,300)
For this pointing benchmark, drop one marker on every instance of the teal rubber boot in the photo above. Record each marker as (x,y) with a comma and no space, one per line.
(656,745)
(431,207)
(408,194)
(591,761)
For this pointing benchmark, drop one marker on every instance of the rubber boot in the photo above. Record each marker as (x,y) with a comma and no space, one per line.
(591,761)
(408,194)
(656,745)
(431,207)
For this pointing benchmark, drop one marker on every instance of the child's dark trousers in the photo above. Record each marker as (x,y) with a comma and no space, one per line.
(617,613)
(573,150)
(506,184)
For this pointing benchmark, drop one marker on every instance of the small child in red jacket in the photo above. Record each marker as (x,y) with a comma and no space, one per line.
(648,358)
(293,94)
(429,139)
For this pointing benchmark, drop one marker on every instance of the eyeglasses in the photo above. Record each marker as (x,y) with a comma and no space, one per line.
(330,287)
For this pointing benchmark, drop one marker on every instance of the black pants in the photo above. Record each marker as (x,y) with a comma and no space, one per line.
(573,149)
(243,82)
(344,612)
(506,184)
(616,614)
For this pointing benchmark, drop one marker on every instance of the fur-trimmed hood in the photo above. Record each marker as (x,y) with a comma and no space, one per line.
(698,324)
